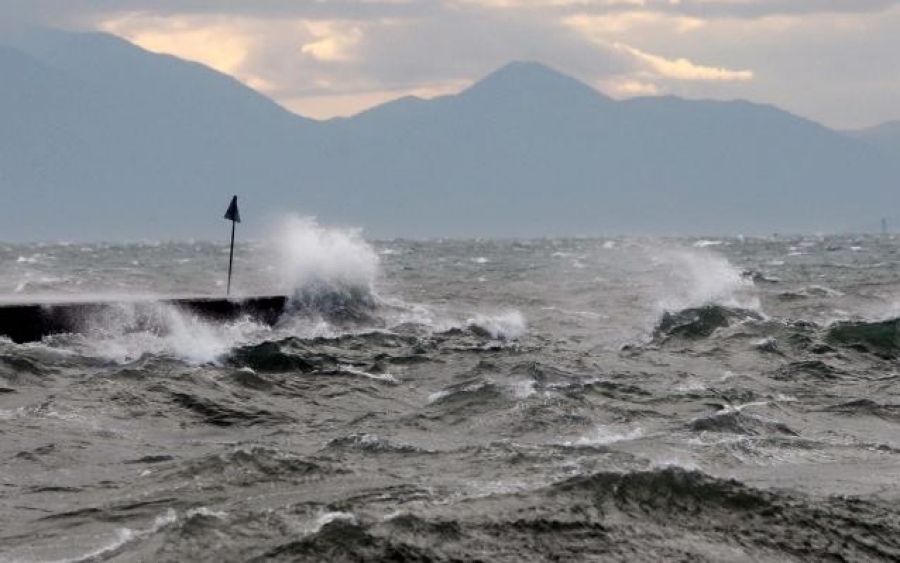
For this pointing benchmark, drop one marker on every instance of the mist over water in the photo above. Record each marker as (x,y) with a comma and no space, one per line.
(627,399)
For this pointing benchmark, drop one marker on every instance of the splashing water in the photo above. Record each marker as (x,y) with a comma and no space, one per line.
(693,278)
(128,331)
(330,273)
(326,269)
(510,325)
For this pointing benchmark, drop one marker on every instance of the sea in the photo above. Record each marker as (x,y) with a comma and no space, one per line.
(584,399)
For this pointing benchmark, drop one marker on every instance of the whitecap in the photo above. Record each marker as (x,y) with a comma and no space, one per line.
(604,435)
(522,389)
(510,325)
(376,376)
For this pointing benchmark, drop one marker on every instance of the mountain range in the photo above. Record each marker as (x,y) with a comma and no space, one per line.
(100,139)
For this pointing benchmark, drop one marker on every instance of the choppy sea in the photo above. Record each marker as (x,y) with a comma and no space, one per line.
(733,399)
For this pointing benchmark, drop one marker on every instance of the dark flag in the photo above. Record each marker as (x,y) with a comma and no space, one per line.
(233,214)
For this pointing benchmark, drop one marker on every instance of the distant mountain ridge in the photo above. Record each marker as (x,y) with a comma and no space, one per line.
(101,139)
(885,137)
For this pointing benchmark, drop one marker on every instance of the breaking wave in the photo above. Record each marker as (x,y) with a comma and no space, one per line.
(694,277)
(700,322)
(125,332)
(880,338)
(510,325)
(327,271)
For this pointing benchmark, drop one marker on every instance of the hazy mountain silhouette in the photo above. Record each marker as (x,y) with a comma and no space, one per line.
(120,140)
(885,136)
(102,139)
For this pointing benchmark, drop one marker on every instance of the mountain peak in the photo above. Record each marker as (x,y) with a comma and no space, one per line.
(533,79)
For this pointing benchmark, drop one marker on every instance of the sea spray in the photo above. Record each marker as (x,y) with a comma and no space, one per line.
(328,271)
(685,278)
(128,331)
(509,325)
(664,278)
(696,277)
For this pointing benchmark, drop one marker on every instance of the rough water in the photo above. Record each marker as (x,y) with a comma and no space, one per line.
(634,400)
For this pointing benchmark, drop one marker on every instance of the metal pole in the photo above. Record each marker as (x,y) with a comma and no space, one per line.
(230,258)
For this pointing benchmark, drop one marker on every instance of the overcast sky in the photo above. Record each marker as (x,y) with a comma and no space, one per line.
(835,61)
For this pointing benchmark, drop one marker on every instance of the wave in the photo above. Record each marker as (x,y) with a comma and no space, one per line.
(732,420)
(248,466)
(809,369)
(510,325)
(327,271)
(691,278)
(125,332)
(346,539)
(286,355)
(331,277)
(867,407)
(467,393)
(881,338)
(809,292)
(700,322)
(371,443)
(610,516)
(226,413)
(605,435)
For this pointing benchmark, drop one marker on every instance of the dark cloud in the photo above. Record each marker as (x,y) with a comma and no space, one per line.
(710,9)
(79,12)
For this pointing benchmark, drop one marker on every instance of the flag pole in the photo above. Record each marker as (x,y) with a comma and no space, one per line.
(230,258)
(233,215)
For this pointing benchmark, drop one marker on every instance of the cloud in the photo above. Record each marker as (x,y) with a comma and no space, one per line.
(334,41)
(81,12)
(216,44)
(695,8)
(628,86)
(681,68)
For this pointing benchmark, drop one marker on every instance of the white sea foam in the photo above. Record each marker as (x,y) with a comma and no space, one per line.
(691,386)
(207,512)
(122,537)
(569,312)
(607,434)
(706,243)
(313,258)
(693,278)
(510,325)
(376,376)
(439,396)
(522,389)
(314,263)
(325,518)
(676,459)
(128,331)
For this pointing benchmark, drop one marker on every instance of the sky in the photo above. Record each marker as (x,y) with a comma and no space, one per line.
(834,61)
